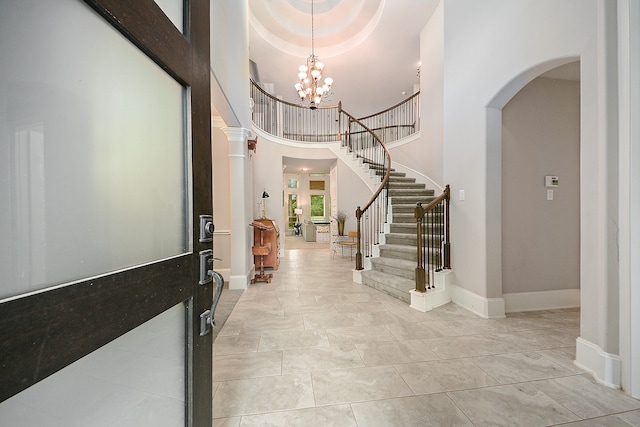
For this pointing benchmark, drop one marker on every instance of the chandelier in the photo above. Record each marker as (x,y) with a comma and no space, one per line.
(310,89)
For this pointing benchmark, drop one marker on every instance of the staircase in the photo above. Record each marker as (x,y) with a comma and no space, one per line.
(393,271)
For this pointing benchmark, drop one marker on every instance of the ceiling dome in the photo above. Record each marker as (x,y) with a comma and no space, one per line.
(339,25)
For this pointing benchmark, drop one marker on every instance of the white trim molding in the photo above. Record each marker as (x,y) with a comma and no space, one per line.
(604,366)
(542,300)
(489,308)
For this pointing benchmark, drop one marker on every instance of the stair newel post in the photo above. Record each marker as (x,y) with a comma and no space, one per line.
(359,239)
(447,244)
(418,213)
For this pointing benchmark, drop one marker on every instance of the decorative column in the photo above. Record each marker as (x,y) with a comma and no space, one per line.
(240,189)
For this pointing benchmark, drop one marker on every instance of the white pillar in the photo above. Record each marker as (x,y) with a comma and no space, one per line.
(241,190)
(629,191)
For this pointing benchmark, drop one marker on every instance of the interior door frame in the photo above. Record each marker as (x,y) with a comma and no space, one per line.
(42,332)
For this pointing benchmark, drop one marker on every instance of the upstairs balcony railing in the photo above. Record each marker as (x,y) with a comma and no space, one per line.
(326,124)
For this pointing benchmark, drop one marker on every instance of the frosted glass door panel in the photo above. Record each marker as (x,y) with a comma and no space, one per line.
(92,150)
(136,380)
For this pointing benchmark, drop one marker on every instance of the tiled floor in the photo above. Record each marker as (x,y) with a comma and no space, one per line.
(312,348)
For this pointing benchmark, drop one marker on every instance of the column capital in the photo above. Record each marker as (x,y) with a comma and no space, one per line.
(236,134)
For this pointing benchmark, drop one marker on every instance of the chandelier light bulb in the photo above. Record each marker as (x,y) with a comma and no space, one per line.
(320,65)
(319,91)
(328,81)
(315,73)
(302,75)
(303,68)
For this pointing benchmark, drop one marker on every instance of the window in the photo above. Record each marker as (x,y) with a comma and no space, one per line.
(317,206)
(291,207)
(316,185)
(292,183)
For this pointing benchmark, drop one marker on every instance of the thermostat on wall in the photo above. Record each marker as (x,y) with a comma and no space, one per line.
(550,181)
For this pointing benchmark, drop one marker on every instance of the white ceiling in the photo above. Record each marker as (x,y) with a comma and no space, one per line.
(305,166)
(371,48)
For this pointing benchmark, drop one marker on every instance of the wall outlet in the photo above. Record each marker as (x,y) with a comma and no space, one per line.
(549,194)
(461,194)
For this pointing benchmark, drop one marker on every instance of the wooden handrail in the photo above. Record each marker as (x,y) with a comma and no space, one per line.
(360,211)
(390,108)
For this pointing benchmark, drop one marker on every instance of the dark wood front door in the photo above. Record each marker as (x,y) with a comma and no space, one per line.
(46,328)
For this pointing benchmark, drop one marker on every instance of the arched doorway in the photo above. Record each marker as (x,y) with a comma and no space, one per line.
(540,162)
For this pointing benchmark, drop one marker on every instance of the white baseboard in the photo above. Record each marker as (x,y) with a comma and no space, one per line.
(605,367)
(357,276)
(542,300)
(239,282)
(489,308)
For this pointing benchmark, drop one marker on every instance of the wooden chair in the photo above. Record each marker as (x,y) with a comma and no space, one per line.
(351,243)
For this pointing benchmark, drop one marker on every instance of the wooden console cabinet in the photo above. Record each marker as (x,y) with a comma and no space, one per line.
(269,237)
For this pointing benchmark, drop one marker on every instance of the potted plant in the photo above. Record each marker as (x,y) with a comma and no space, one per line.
(340,217)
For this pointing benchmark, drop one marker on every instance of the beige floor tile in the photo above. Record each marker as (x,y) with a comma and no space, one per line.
(327,416)
(395,352)
(519,367)
(585,397)
(357,385)
(567,336)
(431,410)
(320,358)
(259,325)
(236,344)
(467,326)
(261,395)
(632,417)
(226,422)
(467,346)
(271,341)
(316,323)
(359,334)
(309,309)
(387,317)
(444,375)
(563,356)
(331,320)
(414,331)
(609,421)
(249,365)
(521,405)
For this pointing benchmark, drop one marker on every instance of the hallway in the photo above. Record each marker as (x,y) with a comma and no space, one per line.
(312,348)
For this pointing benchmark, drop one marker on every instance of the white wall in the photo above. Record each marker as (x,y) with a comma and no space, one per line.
(230,61)
(540,237)
(221,199)
(492,49)
(425,154)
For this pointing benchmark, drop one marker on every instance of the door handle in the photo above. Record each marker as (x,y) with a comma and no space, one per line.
(207,274)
